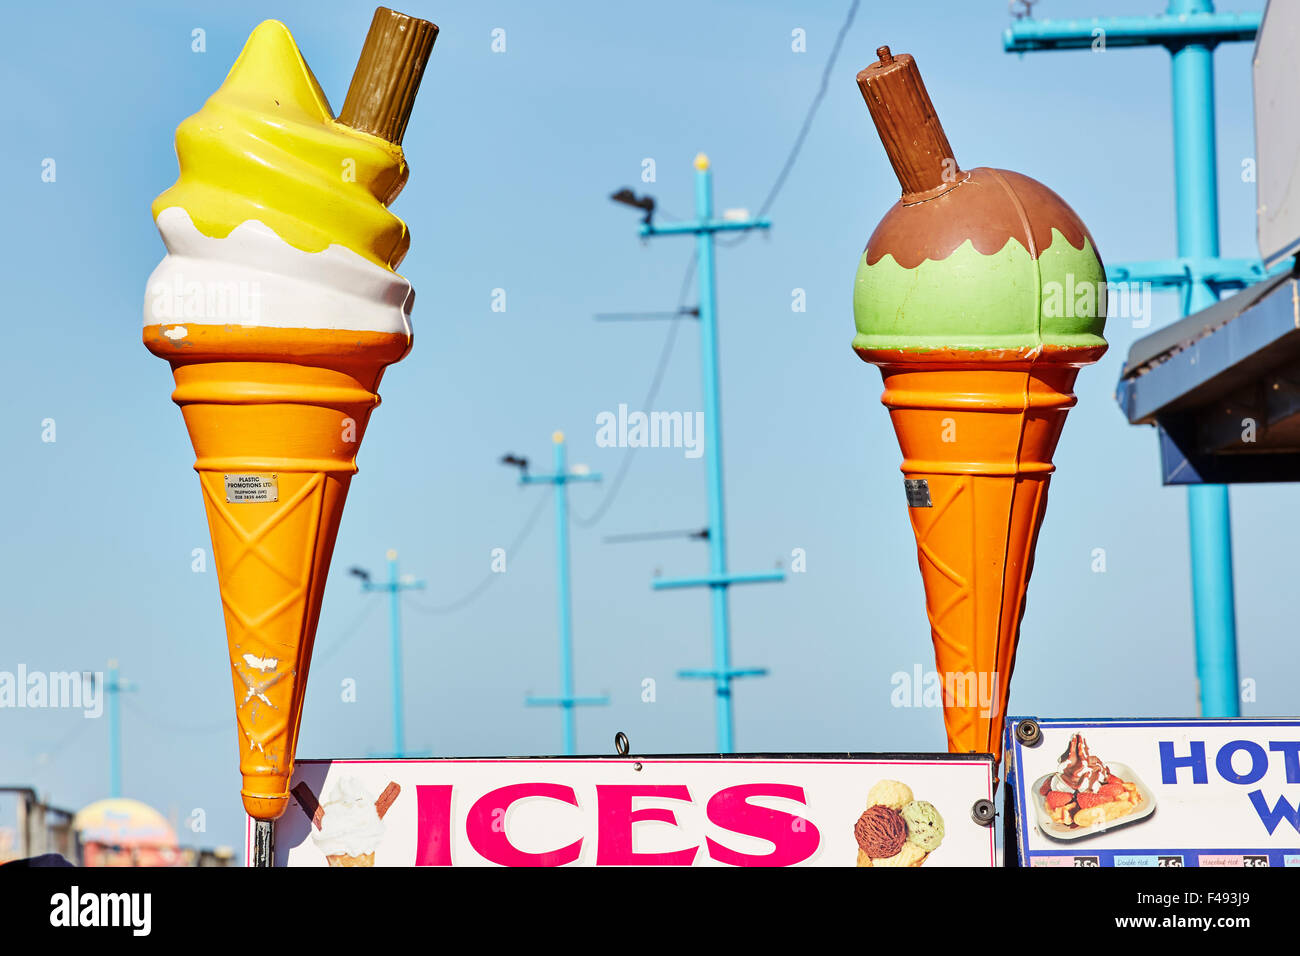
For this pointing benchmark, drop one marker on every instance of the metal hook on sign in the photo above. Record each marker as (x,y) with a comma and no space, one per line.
(623,747)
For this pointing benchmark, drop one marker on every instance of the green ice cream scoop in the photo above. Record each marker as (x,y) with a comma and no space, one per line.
(924,824)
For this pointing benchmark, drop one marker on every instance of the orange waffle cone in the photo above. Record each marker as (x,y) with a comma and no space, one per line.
(979,296)
(979,428)
(296,425)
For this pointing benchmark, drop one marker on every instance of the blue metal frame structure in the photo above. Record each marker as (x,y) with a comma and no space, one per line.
(1189,30)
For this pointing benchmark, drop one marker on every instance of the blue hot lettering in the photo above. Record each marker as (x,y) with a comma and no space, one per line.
(1170,764)
(1258,761)
(1272,816)
(1290,751)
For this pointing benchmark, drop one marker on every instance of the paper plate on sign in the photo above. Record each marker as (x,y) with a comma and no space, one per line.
(1060,831)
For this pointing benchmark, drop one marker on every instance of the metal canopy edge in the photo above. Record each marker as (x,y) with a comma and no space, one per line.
(1151,349)
(1212,352)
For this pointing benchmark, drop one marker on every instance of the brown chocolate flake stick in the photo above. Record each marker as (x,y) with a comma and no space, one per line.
(388,75)
(386,798)
(910,130)
(310,805)
(934,216)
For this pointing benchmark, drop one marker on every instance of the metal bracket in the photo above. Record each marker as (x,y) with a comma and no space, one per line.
(718,580)
(705,674)
(263,843)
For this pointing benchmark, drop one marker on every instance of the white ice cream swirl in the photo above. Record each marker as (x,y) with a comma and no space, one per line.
(350,823)
(253,278)
(1078,771)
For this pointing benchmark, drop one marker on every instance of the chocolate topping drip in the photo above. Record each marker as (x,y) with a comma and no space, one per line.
(914,138)
(1081,769)
(943,206)
(989,207)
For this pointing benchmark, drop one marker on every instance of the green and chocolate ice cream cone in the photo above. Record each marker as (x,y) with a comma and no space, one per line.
(979,296)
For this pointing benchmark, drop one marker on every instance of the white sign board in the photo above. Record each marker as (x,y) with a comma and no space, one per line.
(1277,134)
(814,810)
(1158,793)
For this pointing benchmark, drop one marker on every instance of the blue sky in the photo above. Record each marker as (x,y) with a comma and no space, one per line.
(512,157)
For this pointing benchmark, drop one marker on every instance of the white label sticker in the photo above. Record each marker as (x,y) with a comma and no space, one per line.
(244,488)
(918,493)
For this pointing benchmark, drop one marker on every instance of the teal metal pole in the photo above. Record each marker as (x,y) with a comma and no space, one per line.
(114,733)
(395,643)
(395,585)
(1208,510)
(721,610)
(718,579)
(566,606)
(567,701)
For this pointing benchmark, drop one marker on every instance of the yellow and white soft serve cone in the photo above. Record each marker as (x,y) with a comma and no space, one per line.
(278,309)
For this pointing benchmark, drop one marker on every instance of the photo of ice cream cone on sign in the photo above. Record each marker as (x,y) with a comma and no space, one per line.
(896,829)
(278,308)
(1085,795)
(979,297)
(349,825)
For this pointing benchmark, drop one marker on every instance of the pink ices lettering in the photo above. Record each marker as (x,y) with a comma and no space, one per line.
(433,821)
(617,818)
(487,833)
(794,838)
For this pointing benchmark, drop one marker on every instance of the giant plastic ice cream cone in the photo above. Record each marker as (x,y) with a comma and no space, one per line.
(278,309)
(979,296)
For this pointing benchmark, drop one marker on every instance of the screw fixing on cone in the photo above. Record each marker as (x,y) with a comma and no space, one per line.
(1028,732)
(983,812)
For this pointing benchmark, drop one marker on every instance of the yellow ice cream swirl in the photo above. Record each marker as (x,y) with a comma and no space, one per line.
(266,146)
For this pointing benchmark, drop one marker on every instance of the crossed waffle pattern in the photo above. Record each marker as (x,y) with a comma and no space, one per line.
(958,601)
(268,620)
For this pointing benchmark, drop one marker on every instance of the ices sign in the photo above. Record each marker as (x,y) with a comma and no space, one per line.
(792,837)
(831,810)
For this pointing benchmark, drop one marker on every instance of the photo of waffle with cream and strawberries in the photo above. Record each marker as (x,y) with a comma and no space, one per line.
(1085,794)
(896,829)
